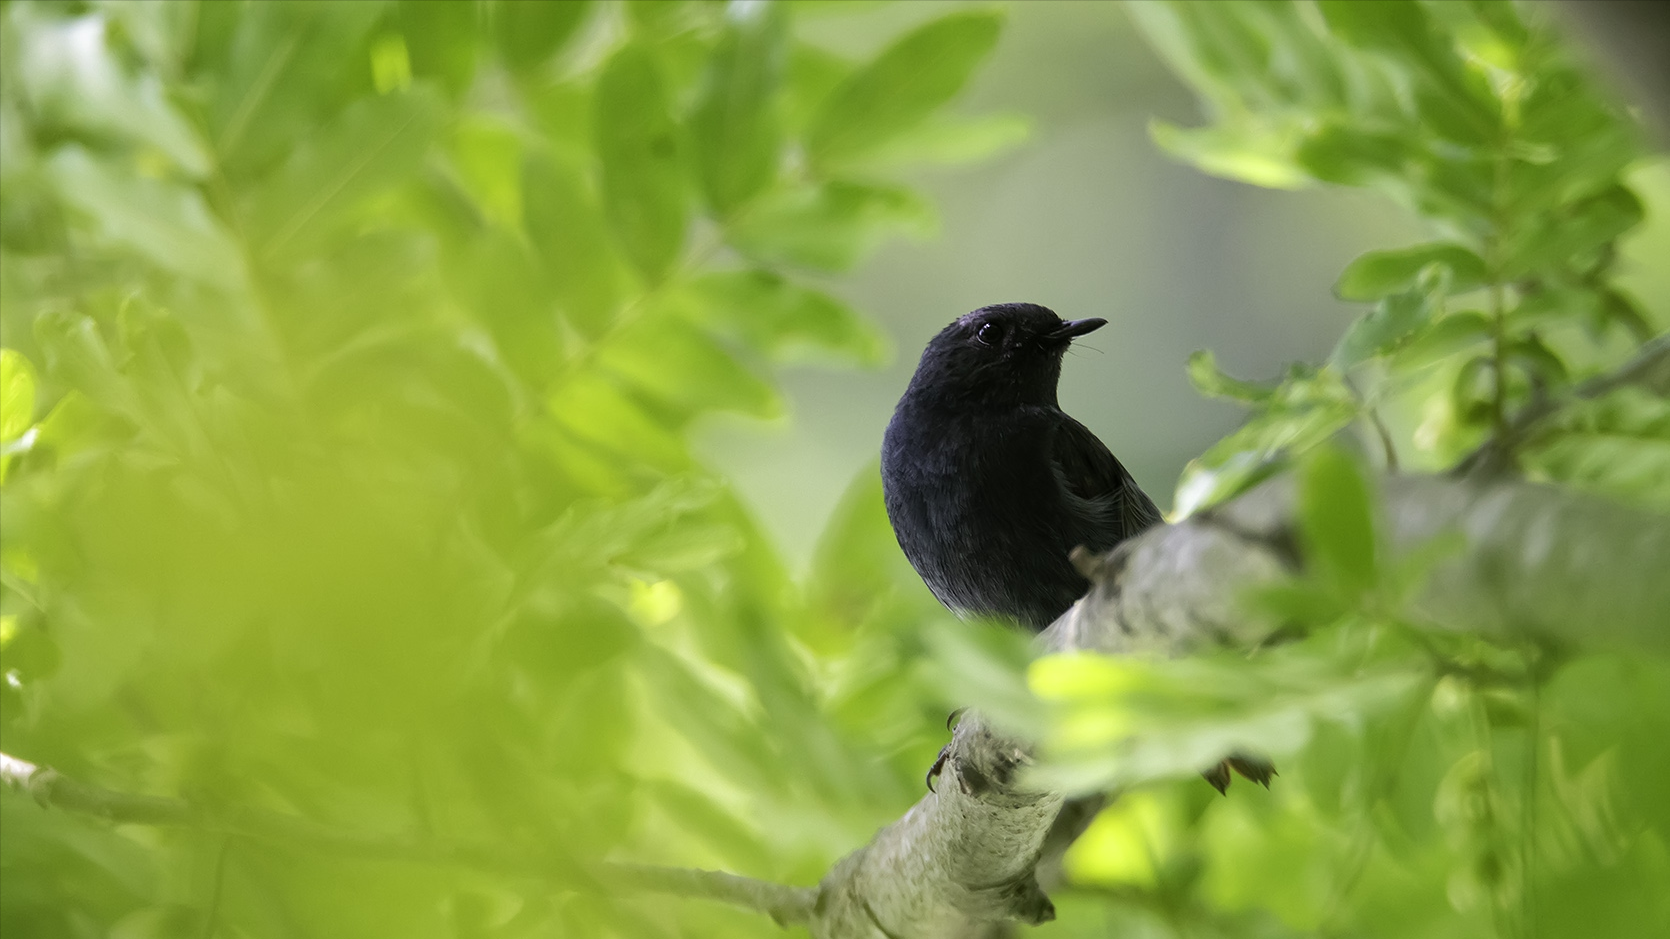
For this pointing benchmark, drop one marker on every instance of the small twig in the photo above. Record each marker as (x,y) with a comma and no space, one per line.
(1648,368)
(1380,429)
(786,904)
(783,903)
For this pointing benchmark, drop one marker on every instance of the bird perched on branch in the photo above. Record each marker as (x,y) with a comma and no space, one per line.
(990,485)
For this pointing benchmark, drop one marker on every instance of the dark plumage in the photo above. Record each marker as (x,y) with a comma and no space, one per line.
(989,484)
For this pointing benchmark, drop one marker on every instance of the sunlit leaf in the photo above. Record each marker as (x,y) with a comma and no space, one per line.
(17,395)
(947,140)
(1261,156)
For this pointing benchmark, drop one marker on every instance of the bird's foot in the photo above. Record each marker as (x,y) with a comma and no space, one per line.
(1251,767)
(939,765)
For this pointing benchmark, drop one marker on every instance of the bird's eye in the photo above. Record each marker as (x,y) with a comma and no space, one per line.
(990,333)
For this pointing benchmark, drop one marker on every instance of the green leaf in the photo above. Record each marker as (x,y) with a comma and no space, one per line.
(1379,274)
(1307,408)
(811,75)
(441,40)
(828,228)
(1392,322)
(486,153)
(1446,337)
(985,665)
(1380,24)
(1355,156)
(17,407)
(787,322)
(1618,445)
(734,125)
(376,143)
(1205,375)
(280,73)
(1573,234)
(1209,480)
(163,222)
(1262,156)
(683,369)
(594,409)
(1336,520)
(950,140)
(17,395)
(567,228)
(497,279)
(644,194)
(528,32)
(903,85)
(1449,100)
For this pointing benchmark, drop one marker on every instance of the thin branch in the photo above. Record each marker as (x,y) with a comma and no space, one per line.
(1387,447)
(1649,368)
(50,788)
(786,904)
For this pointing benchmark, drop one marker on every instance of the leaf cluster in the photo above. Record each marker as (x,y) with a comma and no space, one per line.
(1478,119)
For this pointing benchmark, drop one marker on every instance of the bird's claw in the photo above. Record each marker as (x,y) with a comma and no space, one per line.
(1251,767)
(939,765)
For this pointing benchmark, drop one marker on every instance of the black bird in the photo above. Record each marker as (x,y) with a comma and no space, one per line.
(989,484)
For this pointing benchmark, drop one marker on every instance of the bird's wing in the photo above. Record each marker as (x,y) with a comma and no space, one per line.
(1090,472)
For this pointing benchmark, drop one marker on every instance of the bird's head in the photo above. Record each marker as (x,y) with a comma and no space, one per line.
(1008,353)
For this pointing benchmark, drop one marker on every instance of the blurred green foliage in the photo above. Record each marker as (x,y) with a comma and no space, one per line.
(350,350)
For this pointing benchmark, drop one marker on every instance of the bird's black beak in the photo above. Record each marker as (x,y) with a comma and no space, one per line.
(1072,329)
